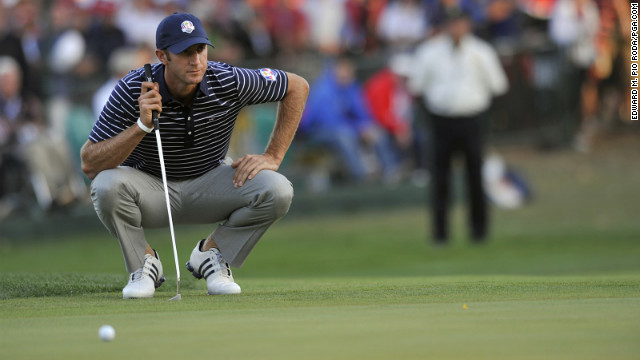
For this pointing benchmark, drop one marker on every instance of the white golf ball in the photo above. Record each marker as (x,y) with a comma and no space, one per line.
(107,333)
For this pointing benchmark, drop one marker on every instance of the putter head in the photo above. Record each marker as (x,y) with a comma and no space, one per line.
(175,298)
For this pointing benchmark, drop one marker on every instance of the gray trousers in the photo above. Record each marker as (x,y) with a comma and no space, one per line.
(128,200)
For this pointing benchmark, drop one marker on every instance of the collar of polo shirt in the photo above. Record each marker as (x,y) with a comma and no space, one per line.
(164,91)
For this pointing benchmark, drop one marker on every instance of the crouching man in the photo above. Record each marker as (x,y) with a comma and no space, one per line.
(198,102)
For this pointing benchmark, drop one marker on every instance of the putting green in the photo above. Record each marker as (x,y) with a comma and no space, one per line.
(559,279)
(347,318)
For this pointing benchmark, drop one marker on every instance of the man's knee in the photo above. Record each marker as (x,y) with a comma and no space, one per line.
(278,190)
(107,187)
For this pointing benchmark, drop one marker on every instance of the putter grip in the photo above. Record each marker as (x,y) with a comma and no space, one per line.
(149,76)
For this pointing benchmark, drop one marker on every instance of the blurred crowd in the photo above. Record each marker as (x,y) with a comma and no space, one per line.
(566,63)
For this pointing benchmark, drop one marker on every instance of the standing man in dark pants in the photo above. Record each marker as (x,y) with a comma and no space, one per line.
(458,74)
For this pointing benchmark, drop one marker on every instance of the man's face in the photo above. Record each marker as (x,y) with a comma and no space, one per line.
(9,85)
(344,72)
(459,27)
(187,67)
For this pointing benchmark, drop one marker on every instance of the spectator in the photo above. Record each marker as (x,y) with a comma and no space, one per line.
(337,116)
(25,18)
(438,10)
(135,18)
(573,27)
(120,63)
(64,49)
(458,74)
(12,169)
(235,29)
(402,24)
(326,22)
(391,105)
(286,23)
(361,22)
(103,35)
(502,25)
(27,147)
(11,44)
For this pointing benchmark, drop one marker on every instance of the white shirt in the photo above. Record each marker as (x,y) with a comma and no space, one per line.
(400,21)
(457,81)
(139,21)
(576,30)
(325,21)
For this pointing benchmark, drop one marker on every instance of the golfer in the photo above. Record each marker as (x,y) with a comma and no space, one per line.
(198,102)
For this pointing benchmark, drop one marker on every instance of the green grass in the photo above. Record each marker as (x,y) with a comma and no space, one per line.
(560,279)
(417,317)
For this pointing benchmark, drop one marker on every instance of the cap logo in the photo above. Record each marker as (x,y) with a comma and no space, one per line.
(187,26)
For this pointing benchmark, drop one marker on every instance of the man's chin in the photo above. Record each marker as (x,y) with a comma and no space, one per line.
(195,78)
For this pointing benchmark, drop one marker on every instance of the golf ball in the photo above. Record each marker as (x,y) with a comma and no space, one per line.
(107,333)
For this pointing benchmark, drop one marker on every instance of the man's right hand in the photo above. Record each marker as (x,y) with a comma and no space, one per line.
(149,100)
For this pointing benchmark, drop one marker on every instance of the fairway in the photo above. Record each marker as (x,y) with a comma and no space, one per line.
(560,279)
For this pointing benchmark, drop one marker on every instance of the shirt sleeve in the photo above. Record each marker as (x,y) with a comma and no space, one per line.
(418,80)
(118,114)
(494,75)
(257,86)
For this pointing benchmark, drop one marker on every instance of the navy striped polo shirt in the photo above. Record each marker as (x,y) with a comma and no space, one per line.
(194,140)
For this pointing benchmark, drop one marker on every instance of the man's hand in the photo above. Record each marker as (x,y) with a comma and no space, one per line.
(249,165)
(287,119)
(149,100)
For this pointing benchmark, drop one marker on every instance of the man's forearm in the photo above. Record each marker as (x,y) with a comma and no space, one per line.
(288,117)
(110,153)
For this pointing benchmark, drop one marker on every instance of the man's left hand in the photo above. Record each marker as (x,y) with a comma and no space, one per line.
(249,165)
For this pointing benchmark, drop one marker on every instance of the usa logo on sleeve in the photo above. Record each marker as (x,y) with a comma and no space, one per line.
(268,74)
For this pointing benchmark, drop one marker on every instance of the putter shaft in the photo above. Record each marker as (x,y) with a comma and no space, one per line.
(166,195)
(154,115)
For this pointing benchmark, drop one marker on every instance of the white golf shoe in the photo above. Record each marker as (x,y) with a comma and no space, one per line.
(212,266)
(144,281)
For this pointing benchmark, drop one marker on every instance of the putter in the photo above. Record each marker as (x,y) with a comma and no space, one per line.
(154,114)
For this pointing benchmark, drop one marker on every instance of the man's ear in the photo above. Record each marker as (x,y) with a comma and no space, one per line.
(162,56)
